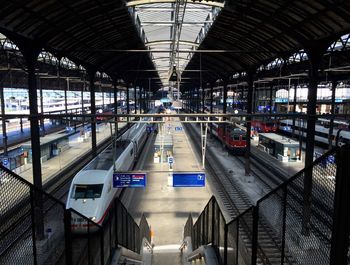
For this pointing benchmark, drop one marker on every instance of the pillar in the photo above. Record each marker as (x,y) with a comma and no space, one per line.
(315,57)
(92,74)
(115,95)
(82,101)
(30,54)
(140,99)
(294,108)
(224,107)
(211,97)
(203,100)
(197,100)
(3,117)
(331,122)
(250,76)
(135,98)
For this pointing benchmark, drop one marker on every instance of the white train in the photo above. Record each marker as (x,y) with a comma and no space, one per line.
(91,192)
(321,132)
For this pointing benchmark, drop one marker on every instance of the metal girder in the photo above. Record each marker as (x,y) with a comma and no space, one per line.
(164,42)
(189,116)
(145,2)
(171,23)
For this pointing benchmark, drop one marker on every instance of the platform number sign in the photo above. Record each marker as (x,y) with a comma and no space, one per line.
(5,162)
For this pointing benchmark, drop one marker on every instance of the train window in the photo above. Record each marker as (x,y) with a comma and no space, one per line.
(236,137)
(131,151)
(92,191)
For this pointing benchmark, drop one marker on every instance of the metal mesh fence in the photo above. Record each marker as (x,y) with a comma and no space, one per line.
(15,220)
(293,224)
(297,227)
(35,228)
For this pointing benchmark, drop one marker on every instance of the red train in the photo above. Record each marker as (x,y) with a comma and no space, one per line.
(103,118)
(264,126)
(234,138)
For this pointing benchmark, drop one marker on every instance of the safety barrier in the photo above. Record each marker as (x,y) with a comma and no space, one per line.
(35,228)
(292,224)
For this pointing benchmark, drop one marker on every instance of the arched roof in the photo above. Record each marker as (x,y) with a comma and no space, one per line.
(256,32)
(91,32)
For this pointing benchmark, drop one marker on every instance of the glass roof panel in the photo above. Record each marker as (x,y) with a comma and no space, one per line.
(171,28)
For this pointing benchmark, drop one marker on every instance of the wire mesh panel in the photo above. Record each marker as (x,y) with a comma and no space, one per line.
(16,244)
(301,228)
(221,234)
(270,229)
(144,229)
(86,240)
(50,233)
(245,231)
(216,224)
(232,234)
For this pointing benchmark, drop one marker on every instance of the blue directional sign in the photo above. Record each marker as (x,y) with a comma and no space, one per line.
(5,161)
(149,129)
(129,180)
(178,128)
(170,160)
(189,179)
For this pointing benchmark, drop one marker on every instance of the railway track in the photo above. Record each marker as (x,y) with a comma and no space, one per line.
(236,201)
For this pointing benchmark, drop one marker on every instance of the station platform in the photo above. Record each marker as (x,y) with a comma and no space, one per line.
(15,136)
(165,207)
(78,146)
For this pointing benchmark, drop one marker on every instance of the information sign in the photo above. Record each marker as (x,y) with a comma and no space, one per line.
(149,129)
(194,179)
(170,160)
(129,180)
(5,161)
(178,128)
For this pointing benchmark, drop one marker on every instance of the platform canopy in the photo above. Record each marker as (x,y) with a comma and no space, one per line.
(248,34)
(96,34)
(142,40)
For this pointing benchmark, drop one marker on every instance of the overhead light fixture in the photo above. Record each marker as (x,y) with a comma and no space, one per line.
(173,75)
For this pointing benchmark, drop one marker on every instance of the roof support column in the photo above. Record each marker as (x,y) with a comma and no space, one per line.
(203,100)
(127,102)
(115,96)
(42,125)
(250,81)
(115,104)
(140,99)
(224,107)
(197,100)
(341,215)
(294,108)
(211,97)
(135,98)
(315,57)
(31,56)
(82,100)
(3,122)
(331,122)
(92,74)
(271,102)
(148,94)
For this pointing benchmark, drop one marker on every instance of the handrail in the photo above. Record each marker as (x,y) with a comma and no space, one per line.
(255,224)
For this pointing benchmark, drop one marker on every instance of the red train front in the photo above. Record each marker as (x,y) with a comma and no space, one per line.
(234,138)
(264,126)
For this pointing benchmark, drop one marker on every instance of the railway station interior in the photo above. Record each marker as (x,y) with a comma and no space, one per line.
(175,132)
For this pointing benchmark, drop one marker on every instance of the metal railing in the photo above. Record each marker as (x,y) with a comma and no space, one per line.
(286,226)
(36,228)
